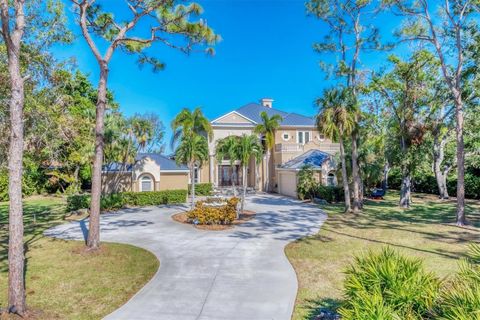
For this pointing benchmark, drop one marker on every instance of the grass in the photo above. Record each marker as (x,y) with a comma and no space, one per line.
(426,230)
(62,280)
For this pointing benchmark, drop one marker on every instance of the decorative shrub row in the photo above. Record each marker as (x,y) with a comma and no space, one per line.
(154,198)
(118,200)
(201,189)
(387,285)
(207,214)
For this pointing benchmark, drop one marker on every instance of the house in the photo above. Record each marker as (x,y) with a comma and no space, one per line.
(297,143)
(150,172)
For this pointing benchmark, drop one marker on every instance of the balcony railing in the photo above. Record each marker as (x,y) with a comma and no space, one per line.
(290,147)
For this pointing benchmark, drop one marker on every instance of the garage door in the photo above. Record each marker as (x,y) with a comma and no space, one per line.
(287,183)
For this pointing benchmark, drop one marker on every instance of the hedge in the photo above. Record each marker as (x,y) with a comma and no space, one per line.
(330,193)
(201,189)
(118,200)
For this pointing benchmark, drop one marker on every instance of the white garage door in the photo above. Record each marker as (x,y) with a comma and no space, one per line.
(287,183)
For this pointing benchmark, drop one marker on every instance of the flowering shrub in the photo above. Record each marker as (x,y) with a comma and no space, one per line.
(204,213)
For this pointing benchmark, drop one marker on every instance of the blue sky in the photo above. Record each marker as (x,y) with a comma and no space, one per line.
(266,51)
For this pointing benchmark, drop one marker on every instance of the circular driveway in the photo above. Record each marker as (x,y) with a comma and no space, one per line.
(240,273)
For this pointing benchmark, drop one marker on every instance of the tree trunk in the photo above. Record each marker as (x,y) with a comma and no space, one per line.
(93,241)
(244,192)
(405,190)
(438,157)
(267,180)
(192,191)
(461,220)
(346,189)
(16,257)
(357,206)
(386,170)
(234,191)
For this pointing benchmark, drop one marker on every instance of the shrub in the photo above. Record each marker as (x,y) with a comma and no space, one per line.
(388,285)
(306,183)
(118,200)
(78,201)
(207,214)
(201,189)
(330,193)
(29,186)
(154,198)
(460,299)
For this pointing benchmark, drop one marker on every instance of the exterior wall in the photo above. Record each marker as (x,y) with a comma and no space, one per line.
(147,165)
(173,181)
(116,182)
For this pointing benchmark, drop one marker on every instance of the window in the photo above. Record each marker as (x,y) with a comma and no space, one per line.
(285,136)
(146,184)
(330,179)
(303,137)
(196,174)
(321,137)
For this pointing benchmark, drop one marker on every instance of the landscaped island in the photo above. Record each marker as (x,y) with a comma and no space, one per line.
(64,281)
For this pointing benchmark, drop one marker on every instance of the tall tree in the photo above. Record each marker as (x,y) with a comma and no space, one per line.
(449,30)
(350,33)
(336,120)
(192,151)
(267,129)
(406,91)
(192,129)
(227,148)
(22,25)
(166,19)
(248,146)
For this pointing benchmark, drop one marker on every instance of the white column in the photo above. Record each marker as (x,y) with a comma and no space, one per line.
(212,171)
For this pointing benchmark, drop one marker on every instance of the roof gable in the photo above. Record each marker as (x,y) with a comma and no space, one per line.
(233,117)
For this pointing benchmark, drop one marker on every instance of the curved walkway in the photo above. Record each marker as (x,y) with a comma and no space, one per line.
(240,273)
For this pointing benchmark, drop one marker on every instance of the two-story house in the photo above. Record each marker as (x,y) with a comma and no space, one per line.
(297,142)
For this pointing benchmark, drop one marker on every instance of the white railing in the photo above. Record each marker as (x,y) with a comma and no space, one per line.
(290,147)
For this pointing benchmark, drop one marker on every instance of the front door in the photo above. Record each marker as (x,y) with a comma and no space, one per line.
(227,175)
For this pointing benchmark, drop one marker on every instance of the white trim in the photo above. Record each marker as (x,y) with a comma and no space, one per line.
(232,112)
(175,171)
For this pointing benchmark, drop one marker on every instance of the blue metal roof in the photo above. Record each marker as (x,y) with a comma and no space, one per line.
(252,111)
(314,158)
(165,163)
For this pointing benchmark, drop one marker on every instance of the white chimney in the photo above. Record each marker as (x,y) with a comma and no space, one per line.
(266,102)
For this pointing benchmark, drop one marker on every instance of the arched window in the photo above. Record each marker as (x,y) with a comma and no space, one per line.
(331,179)
(146,183)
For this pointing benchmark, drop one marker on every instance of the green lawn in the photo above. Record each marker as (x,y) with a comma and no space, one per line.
(426,231)
(64,282)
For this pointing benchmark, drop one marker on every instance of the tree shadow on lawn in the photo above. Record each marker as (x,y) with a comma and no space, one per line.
(315,307)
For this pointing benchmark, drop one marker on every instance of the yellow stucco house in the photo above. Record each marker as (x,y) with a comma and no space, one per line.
(297,143)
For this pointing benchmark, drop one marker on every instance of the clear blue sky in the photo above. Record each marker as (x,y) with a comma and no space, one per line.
(266,51)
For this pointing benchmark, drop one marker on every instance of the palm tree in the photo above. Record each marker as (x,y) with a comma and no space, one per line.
(227,148)
(189,125)
(187,122)
(267,130)
(192,151)
(248,146)
(336,121)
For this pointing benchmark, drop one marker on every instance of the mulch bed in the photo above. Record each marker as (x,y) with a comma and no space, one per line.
(245,216)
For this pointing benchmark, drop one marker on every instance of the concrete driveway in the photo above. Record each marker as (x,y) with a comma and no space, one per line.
(240,273)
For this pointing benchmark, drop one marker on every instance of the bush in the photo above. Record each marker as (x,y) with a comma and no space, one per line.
(207,214)
(154,198)
(119,200)
(201,189)
(460,299)
(330,193)
(29,186)
(388,285)
(306,183)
